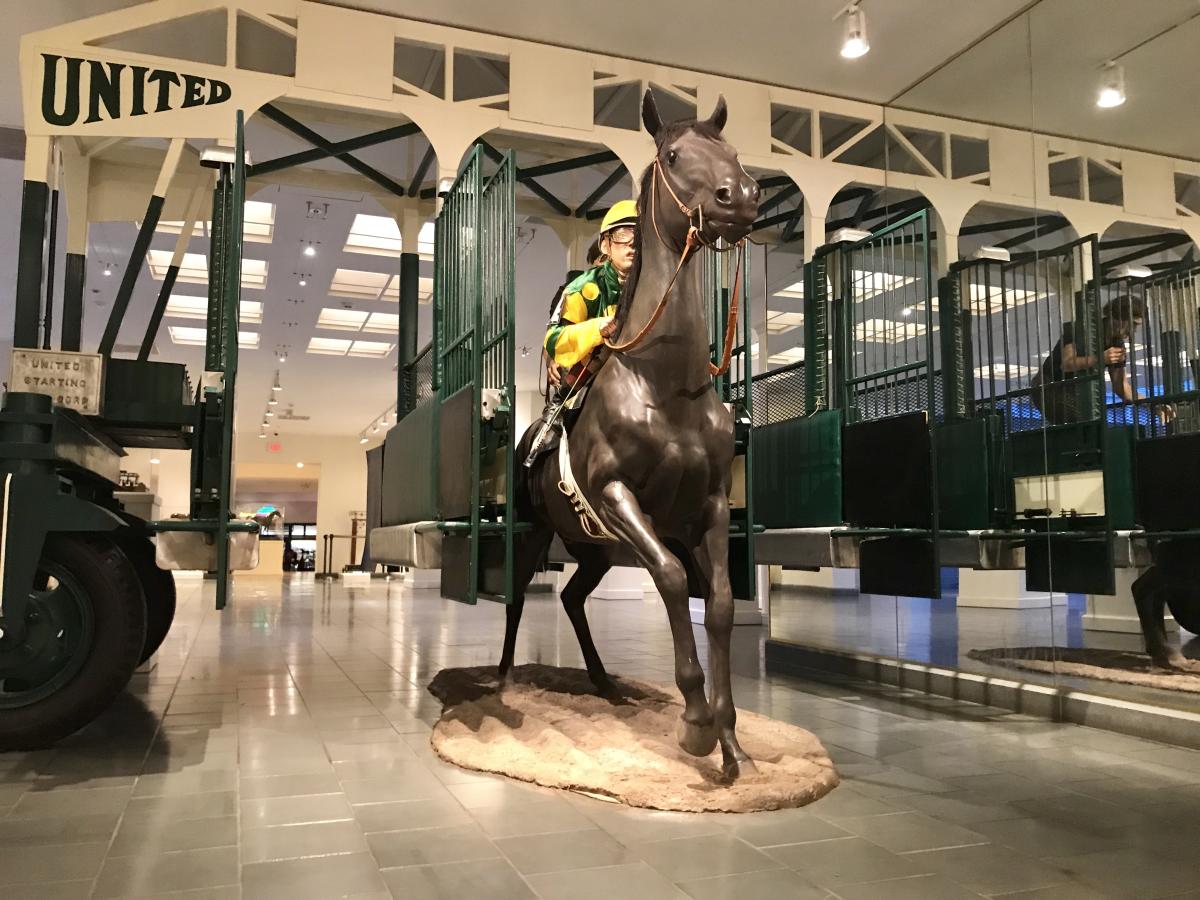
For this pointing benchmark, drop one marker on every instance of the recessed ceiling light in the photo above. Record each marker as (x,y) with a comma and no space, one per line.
(154,460)
(299,465)
(310,250)
(107,270)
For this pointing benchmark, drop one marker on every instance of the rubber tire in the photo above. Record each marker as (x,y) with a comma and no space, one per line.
(119,633)
(158,587)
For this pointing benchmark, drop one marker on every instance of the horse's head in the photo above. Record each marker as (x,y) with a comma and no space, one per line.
(701,172)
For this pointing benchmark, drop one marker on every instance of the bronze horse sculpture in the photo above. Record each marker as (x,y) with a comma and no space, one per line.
(652,447)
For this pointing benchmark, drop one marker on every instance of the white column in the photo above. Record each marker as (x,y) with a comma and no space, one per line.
(621,583)
(1002,589)
(1116,612)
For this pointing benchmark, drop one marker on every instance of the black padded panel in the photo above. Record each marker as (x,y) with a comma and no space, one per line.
(410,462)
(1068,565)
(374,500)
(454,472)
(1168,483)
(903,566)
(887,473)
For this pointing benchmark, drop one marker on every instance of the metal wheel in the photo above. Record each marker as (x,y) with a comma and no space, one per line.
(59,635)
(86,628)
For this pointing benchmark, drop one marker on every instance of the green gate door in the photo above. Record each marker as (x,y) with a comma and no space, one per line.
(734,388)
(474,375)
(883,366)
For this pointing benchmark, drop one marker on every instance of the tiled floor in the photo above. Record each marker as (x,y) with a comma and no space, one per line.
(280,749)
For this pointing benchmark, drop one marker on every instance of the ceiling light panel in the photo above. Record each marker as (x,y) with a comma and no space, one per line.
(189,336)
(193,269)
(794,291)
(371,349)
(780,322)
(328,346)
(180,307)
(376,235)
(357,283)
(258,223)
(786,357)
(342,319)
(887,331)
(382,323)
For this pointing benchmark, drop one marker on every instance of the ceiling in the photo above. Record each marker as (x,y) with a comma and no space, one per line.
(1030,72)
(1023,63)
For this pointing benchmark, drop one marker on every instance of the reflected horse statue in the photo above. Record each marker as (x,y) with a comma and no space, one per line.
(645,476)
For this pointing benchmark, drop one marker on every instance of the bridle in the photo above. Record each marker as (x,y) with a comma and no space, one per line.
(692,242)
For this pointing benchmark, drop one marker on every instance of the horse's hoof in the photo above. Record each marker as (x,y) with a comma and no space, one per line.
(739,768)
(1179,665)
(605,688)
(697,740)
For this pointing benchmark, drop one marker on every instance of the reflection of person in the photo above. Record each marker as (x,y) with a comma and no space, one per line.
(1059,393)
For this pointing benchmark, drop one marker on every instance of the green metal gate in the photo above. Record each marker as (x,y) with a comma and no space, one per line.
(734,387)
(1029,420)
(474,355)
(883,381)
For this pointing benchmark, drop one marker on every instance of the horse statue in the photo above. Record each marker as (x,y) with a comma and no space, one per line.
(647,466)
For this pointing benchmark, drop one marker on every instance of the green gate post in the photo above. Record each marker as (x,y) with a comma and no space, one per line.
(34,197)
(74,276)
(410,271)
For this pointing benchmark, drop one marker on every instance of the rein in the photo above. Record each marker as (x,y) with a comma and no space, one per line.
(693,241)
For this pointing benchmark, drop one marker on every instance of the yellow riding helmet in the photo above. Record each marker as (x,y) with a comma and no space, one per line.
(623,212)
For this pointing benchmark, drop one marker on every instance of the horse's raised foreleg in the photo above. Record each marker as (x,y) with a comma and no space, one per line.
(593,564)
(712,558)
(623,515)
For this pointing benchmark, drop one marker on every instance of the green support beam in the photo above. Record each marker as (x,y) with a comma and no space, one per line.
(331,149)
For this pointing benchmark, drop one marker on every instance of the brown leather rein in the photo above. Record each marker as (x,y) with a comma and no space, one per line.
(693,241)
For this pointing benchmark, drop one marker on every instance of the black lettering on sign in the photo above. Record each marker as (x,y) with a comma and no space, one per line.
(114,90)
(106,89)
(70,110)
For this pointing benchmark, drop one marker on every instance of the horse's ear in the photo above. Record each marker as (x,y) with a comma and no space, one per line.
(650,117)
(719,114)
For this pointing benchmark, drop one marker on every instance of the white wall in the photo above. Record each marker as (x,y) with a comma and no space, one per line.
(341,485)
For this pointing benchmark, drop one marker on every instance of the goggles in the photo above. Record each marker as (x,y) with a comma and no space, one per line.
(623,234)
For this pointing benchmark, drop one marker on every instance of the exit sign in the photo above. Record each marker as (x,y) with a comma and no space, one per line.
(274,447)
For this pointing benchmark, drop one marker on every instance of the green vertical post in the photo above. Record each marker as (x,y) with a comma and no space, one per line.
(231,301)
(410,272)
(74,275)
(34,197)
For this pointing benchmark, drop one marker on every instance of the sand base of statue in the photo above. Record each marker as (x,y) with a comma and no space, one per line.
(550,727)
(1102,665)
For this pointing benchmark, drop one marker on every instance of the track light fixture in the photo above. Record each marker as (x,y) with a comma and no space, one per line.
(107,270)
(363,439)
(854,38)
(310,250)
(272,402)
(276,386)
(1112,86)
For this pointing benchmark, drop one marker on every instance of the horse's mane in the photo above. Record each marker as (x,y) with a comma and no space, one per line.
(666,134)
